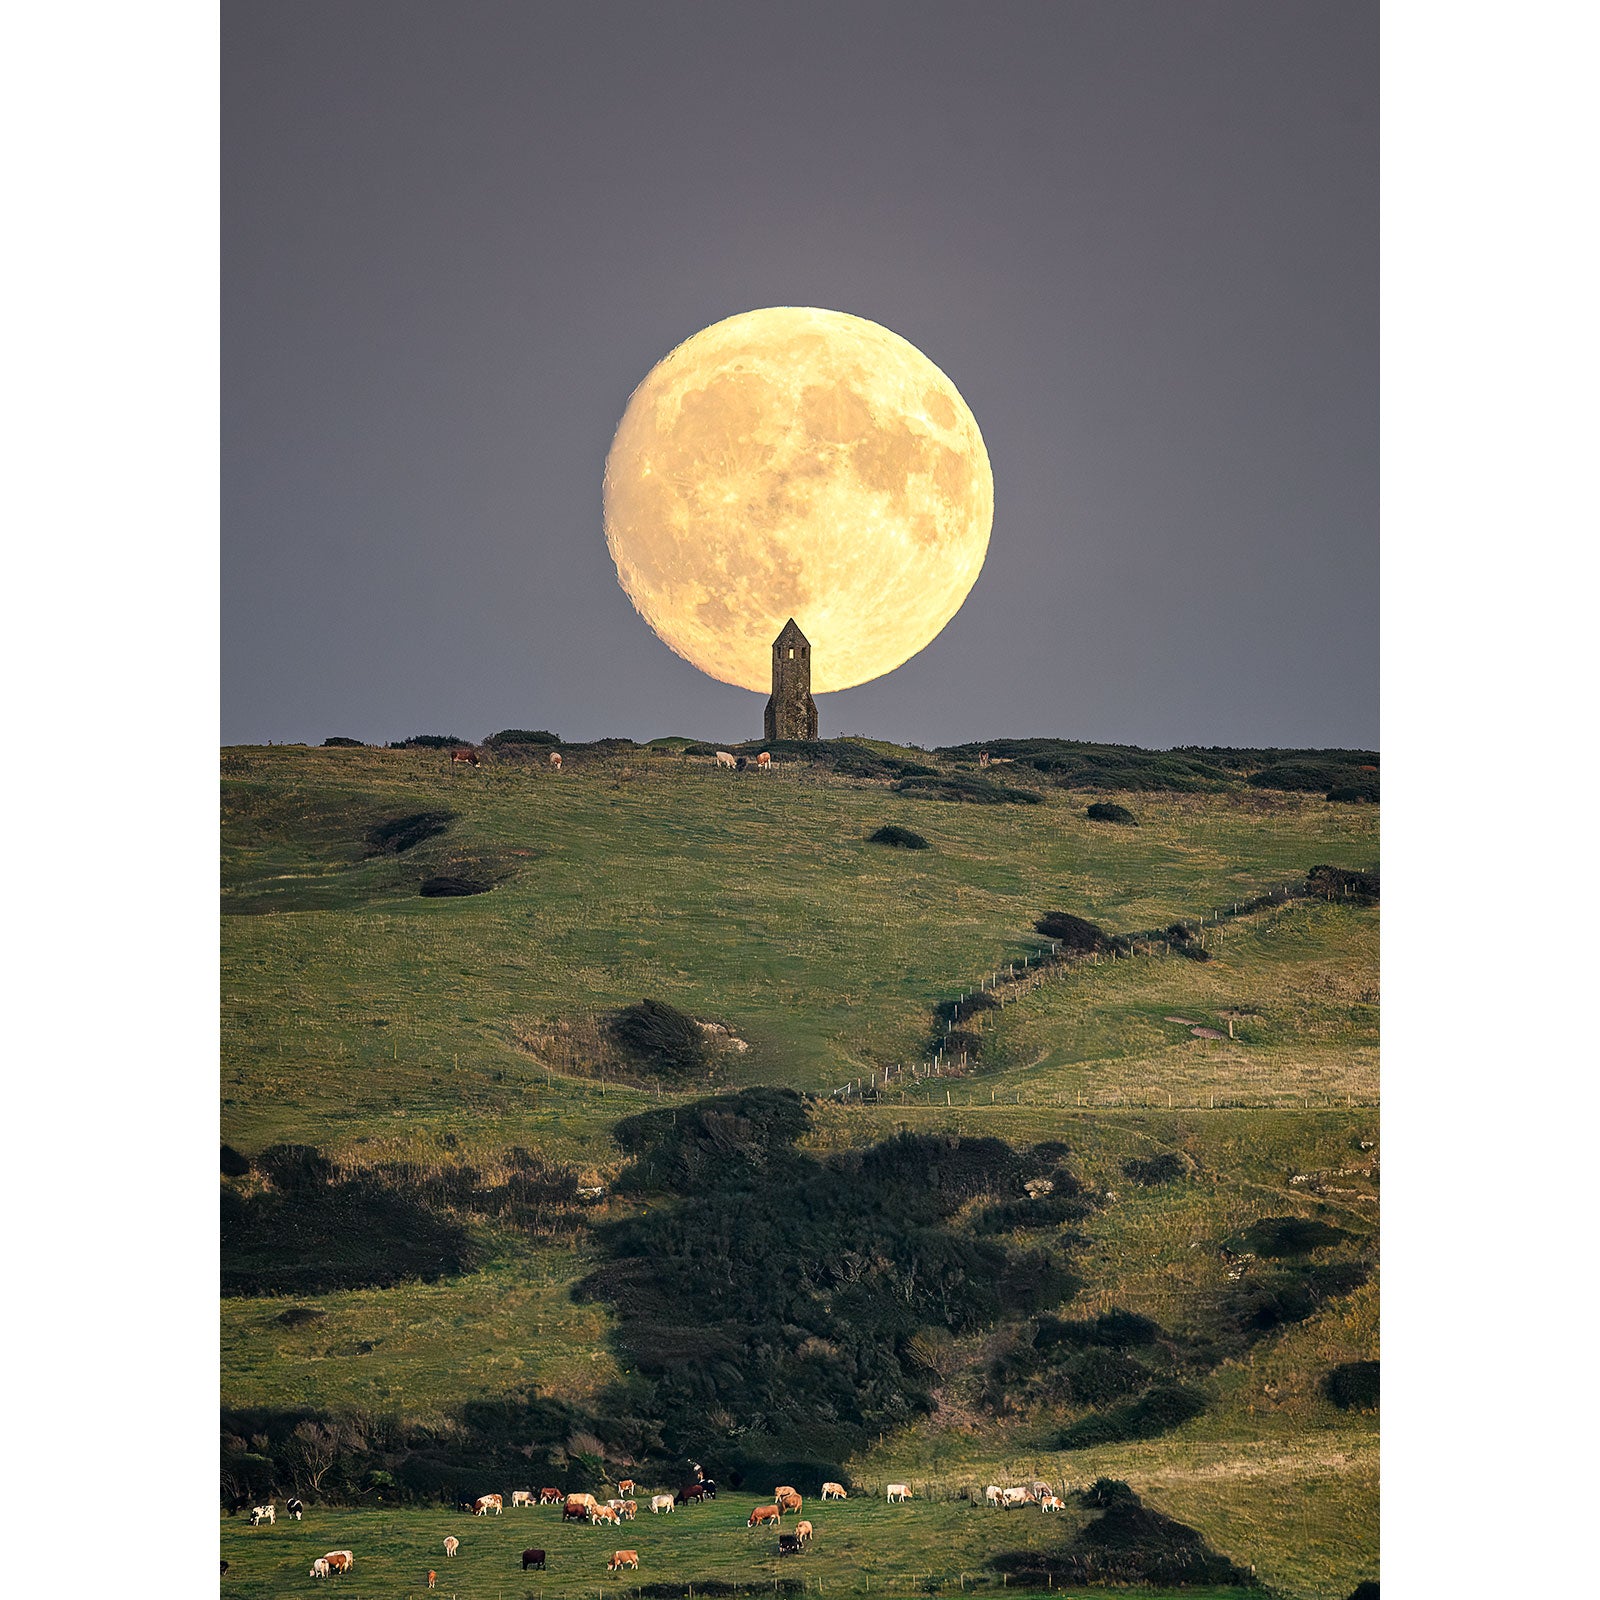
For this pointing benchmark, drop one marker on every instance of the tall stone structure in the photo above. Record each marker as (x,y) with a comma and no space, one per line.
(791,712)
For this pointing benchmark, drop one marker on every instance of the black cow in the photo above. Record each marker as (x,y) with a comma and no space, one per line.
(788,1544)
(295,1508)
(224,1569)
(533,1558)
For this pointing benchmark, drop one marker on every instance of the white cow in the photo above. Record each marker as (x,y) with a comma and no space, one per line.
(833,1491)
(451,1544)
(660,1502)
(895,1493)
(266,1513)
(1016,1497)
(555,760)
(319,1567)
(725,759)
(521,1497)
(991,1495)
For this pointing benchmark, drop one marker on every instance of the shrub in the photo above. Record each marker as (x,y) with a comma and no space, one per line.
(295,1168)
(234,1165)
(299,1316)
(958,1042)
(429,741)
(661,1039)
(1353,1386)
(1104,811)
(1288,1236)
(521,736)
(1364,792)
(1259,1305)
(1075,765)
(1115,1330)
(1072,932)
(1048,1211)
(399,834)
(1367,1589)
(444,885)
(694,748)
(1159,1410)
(1151,1172)
(343,744)
(968,790)
(903,838)
(1336,882)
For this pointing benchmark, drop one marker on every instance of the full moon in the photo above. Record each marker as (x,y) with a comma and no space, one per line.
(792,462)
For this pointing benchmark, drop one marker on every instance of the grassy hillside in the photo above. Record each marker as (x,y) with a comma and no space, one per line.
(410,1038)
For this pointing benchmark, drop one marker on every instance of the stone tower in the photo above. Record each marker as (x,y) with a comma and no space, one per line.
(791,712)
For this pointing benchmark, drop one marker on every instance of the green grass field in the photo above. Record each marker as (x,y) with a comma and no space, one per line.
(382,1026)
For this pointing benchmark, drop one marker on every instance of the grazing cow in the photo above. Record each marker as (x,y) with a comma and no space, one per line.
(788,1545)
(1048,1502)
(433,1578)
(763,1514)
(319,1567)
(783,1489)
(803,1531)
(625,1486)
(485,1503)
(626,1509)
(266,1513)
(992,1494)
(574,1511)
(533,1558)
(725,759)
(661,1502)
(833,1491)
(555,760)
(599,1513)
(1039,1487)
(623,1558)
(895,1493)
(763,762)
(521,1497)
(467,758)
(551,1497)
(451,1545)
(693,1491)
(1016,1497)
(789,1500)
(339,1561)
(294,1508)
(224,1569)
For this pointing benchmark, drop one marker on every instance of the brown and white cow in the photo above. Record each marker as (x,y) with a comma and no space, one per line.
(319,1567)
(626,1509)
(599,1513)
(789,1500)
(625,1486)
(551,1497)
(555,760)
(783,1489)
(763,1514)
(466,758)
(339,1561)
(833,1491)
(1048,1502)
(485,1503)
(763,762)
(521,1497)
(451,1544)
(896,1493)
(433,1578)
(623,1558)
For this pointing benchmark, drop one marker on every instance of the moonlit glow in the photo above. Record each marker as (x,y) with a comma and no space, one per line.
(792,462)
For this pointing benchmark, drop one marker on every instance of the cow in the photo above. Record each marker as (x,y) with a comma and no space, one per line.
(661,1502)
(555,760)
(896,1493)
(551,1497)
(789,1500)
(1039,1487)
(709,1485)
(992,1494)
(319,1567)
(533,1558)
(783,1489)
(623,1558)
(485,1503)
(763,1514)
(693,1491)
(339,1561)
(983,758)
(763,762)
(224,1569)
(433,1578)
(294,1508)
(1016,1497)
(574,1511)
(266,1513)
(833,1491)
(1048,1502)
(599,1513)
(625,1486)
(465,758)
(725,759)
(451,1545)
(626,1509)
(803,1531)
(521,1497)
(788,1545)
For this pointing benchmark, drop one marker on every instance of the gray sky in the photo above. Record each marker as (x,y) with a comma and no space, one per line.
(1140,237)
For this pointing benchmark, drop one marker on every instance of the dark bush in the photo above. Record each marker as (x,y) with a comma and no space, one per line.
(1097,1376)
(1364,792)
(660,1039)
(969,790)
(444,885)
(1105,811)
(1287,1236)
(1159,1410)
(1048,1211)
(1115,1330)
(697,749)
(521,736)
(234,1165)
(429,741)
(1260,1304)
(958,1042)
(300,1316)
(1353,1386)
(295,1168)
(1367,1589)
(1073,933)
(1339,882)
(343,744)
(1075,765)
(399,834)
(903,838)
(1151,1172)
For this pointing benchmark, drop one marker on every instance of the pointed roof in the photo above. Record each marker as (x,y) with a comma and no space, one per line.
(790,634)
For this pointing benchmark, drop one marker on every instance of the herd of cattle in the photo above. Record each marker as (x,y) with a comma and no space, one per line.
(786,1501)
(466,756)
